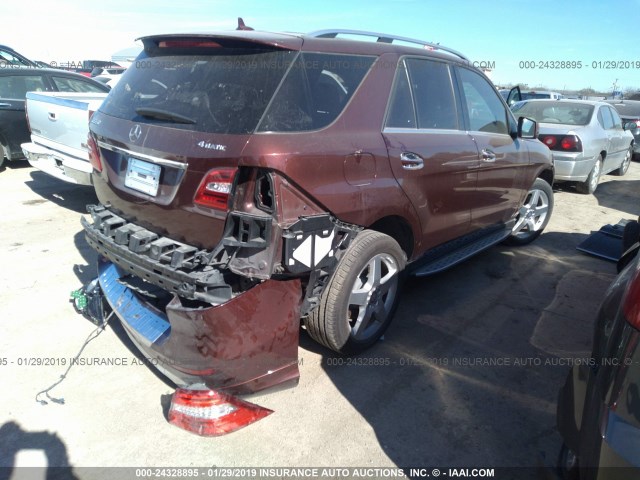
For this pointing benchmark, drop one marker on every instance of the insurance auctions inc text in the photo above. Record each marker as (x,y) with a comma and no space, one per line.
(335,473)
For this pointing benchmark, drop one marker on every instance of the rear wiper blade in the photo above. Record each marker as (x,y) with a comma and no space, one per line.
(160,114)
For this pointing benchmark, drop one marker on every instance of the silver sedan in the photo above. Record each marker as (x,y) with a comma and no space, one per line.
(587,139)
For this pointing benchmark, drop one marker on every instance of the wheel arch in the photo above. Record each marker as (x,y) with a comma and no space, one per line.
(547,175)
(398,229)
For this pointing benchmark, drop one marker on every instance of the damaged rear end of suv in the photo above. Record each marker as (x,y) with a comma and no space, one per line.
(247,180)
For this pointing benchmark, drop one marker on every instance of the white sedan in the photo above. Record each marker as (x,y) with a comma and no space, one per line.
(587,139)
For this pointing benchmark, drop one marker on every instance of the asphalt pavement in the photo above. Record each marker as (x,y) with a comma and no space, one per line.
(466,377)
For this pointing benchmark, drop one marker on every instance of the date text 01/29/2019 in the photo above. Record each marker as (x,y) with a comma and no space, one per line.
(579,64)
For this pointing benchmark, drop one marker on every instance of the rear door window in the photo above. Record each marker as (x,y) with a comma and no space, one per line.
(617,121)
(16,86)
(433,94)
(607,120)
(315,91)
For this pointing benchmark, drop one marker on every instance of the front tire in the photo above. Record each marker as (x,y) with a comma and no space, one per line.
(360,300)
(591,183)
(624,166)
(534,214)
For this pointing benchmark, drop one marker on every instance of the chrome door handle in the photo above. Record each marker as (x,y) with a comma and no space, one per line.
(488,155)
(411,161)
(5,105)
(52,116)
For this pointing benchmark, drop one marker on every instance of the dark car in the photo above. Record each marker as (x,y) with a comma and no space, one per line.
(629,111)
(9,58)
(14,85)
(249,179)
(599,405)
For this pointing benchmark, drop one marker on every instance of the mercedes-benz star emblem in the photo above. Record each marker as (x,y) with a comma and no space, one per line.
(135,132)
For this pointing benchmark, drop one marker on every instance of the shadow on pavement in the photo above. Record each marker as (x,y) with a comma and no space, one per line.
(13,439)
(66,195)
(468,373)
(620,195)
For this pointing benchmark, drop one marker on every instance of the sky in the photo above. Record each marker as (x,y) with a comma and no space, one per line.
(591,44)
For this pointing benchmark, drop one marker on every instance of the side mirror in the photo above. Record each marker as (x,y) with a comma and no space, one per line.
(527,128)
(514,96)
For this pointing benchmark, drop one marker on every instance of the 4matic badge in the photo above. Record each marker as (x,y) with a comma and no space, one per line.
(212,146)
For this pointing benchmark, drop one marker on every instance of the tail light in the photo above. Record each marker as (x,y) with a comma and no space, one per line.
(215,188)
(562,143)
(94,153)
(209,413)
(631,305)
(26,112)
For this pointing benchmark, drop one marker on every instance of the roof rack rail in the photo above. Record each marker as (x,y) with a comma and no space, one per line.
(385,38)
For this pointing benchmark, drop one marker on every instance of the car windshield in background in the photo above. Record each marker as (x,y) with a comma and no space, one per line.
(533,95)
(565,113)
(7,58)
(229,92)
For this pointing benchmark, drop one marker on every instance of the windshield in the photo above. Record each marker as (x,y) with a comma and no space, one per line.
(226,92)
(564,113)
(8,58)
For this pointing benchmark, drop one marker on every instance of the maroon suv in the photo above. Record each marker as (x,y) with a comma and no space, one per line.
(249,179)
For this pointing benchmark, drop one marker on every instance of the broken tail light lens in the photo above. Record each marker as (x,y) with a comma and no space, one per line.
(209,413)
(94,153)
(562,143)
(215,188)
(631,302)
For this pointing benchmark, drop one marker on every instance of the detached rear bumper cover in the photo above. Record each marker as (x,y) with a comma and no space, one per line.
(242,346)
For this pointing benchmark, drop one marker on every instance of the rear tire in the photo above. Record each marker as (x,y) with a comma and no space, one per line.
(591,183)
(534,214)
(360,300)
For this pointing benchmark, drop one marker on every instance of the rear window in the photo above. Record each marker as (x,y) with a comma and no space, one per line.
(226,92)
(555,112)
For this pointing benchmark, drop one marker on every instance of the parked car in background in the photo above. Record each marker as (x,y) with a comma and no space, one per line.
(249,179)
(42,64)
(107,71)
(598,412)
(59,124)
(541,94)
(87,67)
(629,111)
(14,85)
(10,58)
(587,139)
(108,80)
